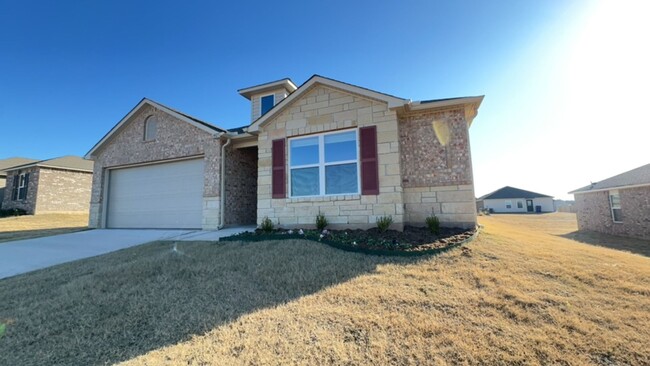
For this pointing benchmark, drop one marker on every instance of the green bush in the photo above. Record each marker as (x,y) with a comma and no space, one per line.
(12,212)
(321,221)
(384,222)
(433,223)
(267,225)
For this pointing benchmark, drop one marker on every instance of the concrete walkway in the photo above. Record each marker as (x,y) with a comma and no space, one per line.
(31,254)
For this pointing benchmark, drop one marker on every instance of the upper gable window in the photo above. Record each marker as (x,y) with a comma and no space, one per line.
(150,128)
(266,103)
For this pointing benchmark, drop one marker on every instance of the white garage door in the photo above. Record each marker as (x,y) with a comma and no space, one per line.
(168,195)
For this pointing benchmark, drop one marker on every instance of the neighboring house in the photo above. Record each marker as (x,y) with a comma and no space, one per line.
(619,205)
(350,153)
(6,164)
(515,200)
(55,185)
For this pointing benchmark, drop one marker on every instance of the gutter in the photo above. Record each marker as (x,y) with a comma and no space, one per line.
(222,198)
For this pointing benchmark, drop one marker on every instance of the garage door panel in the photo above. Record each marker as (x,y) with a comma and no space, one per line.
(168,195)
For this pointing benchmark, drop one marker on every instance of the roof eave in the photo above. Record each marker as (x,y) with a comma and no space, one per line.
(580,191)
(286,83)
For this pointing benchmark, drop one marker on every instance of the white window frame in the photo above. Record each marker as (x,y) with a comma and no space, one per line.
(610,194)
(264,96)
(520,203)
(322,164)
(508,203)
(21,186)
(147,121)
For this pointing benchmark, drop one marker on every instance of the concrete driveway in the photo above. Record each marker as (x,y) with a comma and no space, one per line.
(31,254)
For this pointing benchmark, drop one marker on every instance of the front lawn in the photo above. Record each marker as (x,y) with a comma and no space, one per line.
(34,226)
(520,294)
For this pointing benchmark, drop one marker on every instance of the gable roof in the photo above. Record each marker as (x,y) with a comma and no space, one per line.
(392,101)
(635,177)
(286,83)
(512,192)
(69,162)
(6,164)
(205,126)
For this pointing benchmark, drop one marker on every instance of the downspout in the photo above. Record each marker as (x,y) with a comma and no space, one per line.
(222,199)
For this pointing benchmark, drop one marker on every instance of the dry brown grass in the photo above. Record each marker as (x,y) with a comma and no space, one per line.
(34,226)
(522,295)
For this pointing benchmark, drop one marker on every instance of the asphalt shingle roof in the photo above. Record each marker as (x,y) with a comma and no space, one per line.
(511,192)
(64,162)
(640,175)
(12,162)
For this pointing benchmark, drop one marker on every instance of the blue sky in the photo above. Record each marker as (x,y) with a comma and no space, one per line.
(565,82)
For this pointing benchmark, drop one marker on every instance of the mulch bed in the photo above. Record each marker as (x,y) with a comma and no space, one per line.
(414,240)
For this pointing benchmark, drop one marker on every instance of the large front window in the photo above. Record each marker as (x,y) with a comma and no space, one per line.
(325,164)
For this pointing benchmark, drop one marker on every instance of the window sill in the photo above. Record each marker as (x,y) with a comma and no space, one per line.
(342,197)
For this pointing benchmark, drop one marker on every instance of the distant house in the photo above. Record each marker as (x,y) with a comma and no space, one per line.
(7,164)
(619,205)
(515,200)
(54,185)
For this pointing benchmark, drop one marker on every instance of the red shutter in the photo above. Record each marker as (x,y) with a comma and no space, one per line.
(278,183)
(369,163)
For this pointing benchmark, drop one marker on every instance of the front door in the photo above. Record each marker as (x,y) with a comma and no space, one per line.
(529,205)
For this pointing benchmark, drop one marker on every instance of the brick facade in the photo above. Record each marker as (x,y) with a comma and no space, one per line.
(29,203)
(174,139)
(52,190)
(241,185)
(594,214)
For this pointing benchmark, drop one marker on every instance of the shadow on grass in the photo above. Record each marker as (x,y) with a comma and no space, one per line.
(637,246)
(7,236)
(121,305)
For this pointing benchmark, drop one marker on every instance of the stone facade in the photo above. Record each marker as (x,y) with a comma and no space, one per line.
(594,213)
(437,167)
(241,185)
(175,139)
(52,190)
(324,109)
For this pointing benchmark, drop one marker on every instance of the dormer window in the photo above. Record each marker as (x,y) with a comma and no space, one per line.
(150,128)
(266,103)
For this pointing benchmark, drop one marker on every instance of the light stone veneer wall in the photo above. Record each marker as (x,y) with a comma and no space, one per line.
(324,109)
(437,168)
(63,191)
(175,139)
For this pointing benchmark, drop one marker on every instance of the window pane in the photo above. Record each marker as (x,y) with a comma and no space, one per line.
(304,182)
(341,146)
(341,179)
(520,204)
(267,103)
(304,151)
(618,214)
(616,200)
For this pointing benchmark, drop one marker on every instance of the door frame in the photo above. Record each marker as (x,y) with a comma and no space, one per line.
(530,206)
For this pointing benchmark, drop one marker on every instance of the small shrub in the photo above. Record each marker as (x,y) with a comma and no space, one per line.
(433,223)
(12,212)
(384,222)
(267,225)
(321,221)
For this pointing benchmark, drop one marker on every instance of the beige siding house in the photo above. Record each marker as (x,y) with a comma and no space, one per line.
(619,205)
(325,146)
(48,186)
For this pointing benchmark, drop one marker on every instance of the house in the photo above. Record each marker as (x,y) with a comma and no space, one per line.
(350,153)
(515,200)
(6,164)
(619,205)
(47,186)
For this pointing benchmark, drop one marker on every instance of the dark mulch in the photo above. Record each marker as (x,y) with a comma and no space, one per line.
(412,239)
